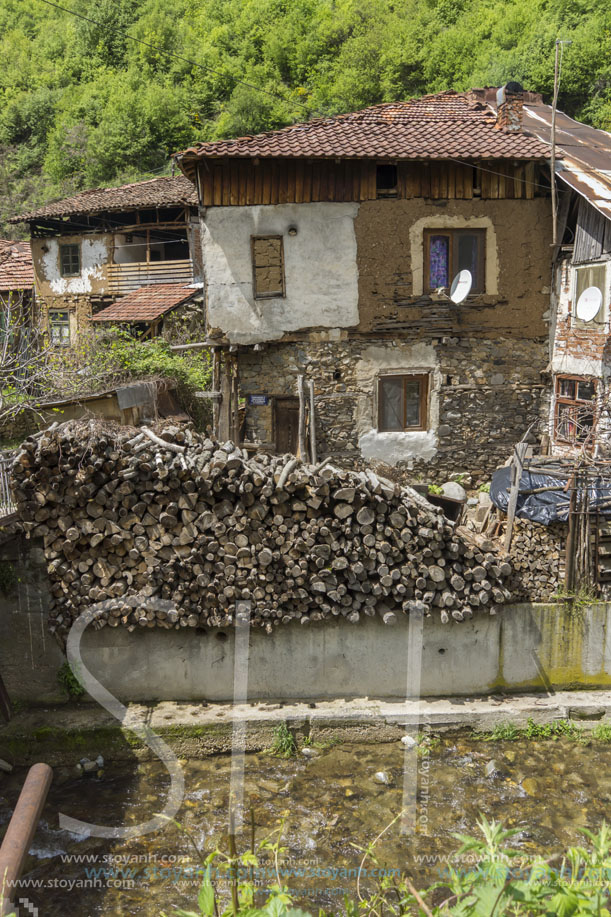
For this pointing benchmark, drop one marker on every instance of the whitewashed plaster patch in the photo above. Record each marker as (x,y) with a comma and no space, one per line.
(321,274)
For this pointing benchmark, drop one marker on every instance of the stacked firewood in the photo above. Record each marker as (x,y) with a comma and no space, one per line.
(538,560)
(171,529)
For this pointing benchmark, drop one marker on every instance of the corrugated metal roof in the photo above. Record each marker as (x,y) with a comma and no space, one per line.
(586,153)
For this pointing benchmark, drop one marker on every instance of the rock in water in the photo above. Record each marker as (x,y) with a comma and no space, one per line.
(383,777)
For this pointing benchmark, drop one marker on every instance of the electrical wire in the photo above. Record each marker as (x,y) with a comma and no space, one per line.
(179,57)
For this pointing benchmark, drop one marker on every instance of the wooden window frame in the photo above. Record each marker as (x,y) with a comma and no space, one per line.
(593,325)
(392,191)
(273,295)
(575,403)
(479,282)
(63,249)
(424,381)
(59,343)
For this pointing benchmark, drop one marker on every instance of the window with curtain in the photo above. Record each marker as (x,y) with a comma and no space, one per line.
(402,402)
(449,251)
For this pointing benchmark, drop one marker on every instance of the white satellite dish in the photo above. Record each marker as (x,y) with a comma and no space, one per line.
(589,303)
(461,286)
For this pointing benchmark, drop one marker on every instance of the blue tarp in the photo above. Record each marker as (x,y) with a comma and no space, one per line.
(552,505)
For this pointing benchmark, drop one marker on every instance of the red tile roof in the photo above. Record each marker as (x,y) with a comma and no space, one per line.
(448,125)
(147,303)
(16,270)
(156,192)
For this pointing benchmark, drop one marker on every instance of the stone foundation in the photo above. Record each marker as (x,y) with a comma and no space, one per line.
(483,396)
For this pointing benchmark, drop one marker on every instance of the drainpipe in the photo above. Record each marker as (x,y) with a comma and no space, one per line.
(20,832)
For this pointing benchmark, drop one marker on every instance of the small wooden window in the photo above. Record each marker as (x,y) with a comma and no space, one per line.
(592,276)
(386,180)
(448,251)
(402,403)
(70,260)
(268,266)
(59,327)
(575,409)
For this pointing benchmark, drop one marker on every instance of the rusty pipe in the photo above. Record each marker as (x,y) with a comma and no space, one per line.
(21,830)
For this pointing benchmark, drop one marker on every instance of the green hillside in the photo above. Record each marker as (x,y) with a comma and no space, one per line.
(82,105)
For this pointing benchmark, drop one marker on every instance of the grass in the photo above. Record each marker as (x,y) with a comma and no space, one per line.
(284,745)
(509,732)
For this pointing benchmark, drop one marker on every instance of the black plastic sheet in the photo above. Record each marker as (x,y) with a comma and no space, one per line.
(551,505)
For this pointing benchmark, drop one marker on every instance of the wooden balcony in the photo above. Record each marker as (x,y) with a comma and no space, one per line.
(122,278)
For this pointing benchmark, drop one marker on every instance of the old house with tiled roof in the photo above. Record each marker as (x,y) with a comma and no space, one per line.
(92,250)
(329,254)
(16,271)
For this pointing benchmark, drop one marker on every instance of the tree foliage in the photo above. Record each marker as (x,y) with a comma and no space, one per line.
(81,104)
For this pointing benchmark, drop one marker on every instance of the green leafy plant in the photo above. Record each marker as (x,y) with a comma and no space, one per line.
(576,883)
(484,488)
(69,681)
(435,489)
(509,732)
(284,745)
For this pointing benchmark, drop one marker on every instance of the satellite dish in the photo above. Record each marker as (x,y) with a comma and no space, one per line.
(461,286)
(589,303)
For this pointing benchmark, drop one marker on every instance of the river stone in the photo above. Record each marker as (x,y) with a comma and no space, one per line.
(529,785)
(383,777)
(491,768)
(454,491)
(408,741)
(308,752)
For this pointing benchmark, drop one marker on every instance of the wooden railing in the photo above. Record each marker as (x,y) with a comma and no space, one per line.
(7,504)
(125,277)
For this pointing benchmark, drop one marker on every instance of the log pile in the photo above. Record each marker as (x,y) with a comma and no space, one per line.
(126,515)
(537,556)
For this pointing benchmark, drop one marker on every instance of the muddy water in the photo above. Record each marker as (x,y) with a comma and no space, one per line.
(328,804)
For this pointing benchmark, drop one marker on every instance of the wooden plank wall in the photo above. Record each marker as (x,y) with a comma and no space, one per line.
(240,182)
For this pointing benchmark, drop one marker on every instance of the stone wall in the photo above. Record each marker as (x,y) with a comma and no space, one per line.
(484,394)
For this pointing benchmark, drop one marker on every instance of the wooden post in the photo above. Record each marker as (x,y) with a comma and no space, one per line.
(224,423)
(301,448)
(216,387)
(517,464)
(5,703)
(312,424)
(569,578)
(235,401)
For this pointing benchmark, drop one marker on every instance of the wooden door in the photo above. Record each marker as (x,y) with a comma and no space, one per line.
(286,424)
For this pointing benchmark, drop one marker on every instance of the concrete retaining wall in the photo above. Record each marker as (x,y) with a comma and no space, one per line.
(526,648)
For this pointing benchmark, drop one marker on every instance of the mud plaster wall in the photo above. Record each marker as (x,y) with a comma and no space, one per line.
(96,253)
(79,310)
(483,397)
(518,260)
(320,267)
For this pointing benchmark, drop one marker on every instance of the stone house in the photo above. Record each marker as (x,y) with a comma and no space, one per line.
(96,249)
(329,249)
(580,359)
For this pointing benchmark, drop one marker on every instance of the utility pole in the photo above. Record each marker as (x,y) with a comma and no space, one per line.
(557,72)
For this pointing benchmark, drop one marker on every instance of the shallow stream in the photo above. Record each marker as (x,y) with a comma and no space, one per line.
(330,805)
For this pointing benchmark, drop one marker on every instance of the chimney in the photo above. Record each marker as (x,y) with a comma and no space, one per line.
(509,102)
